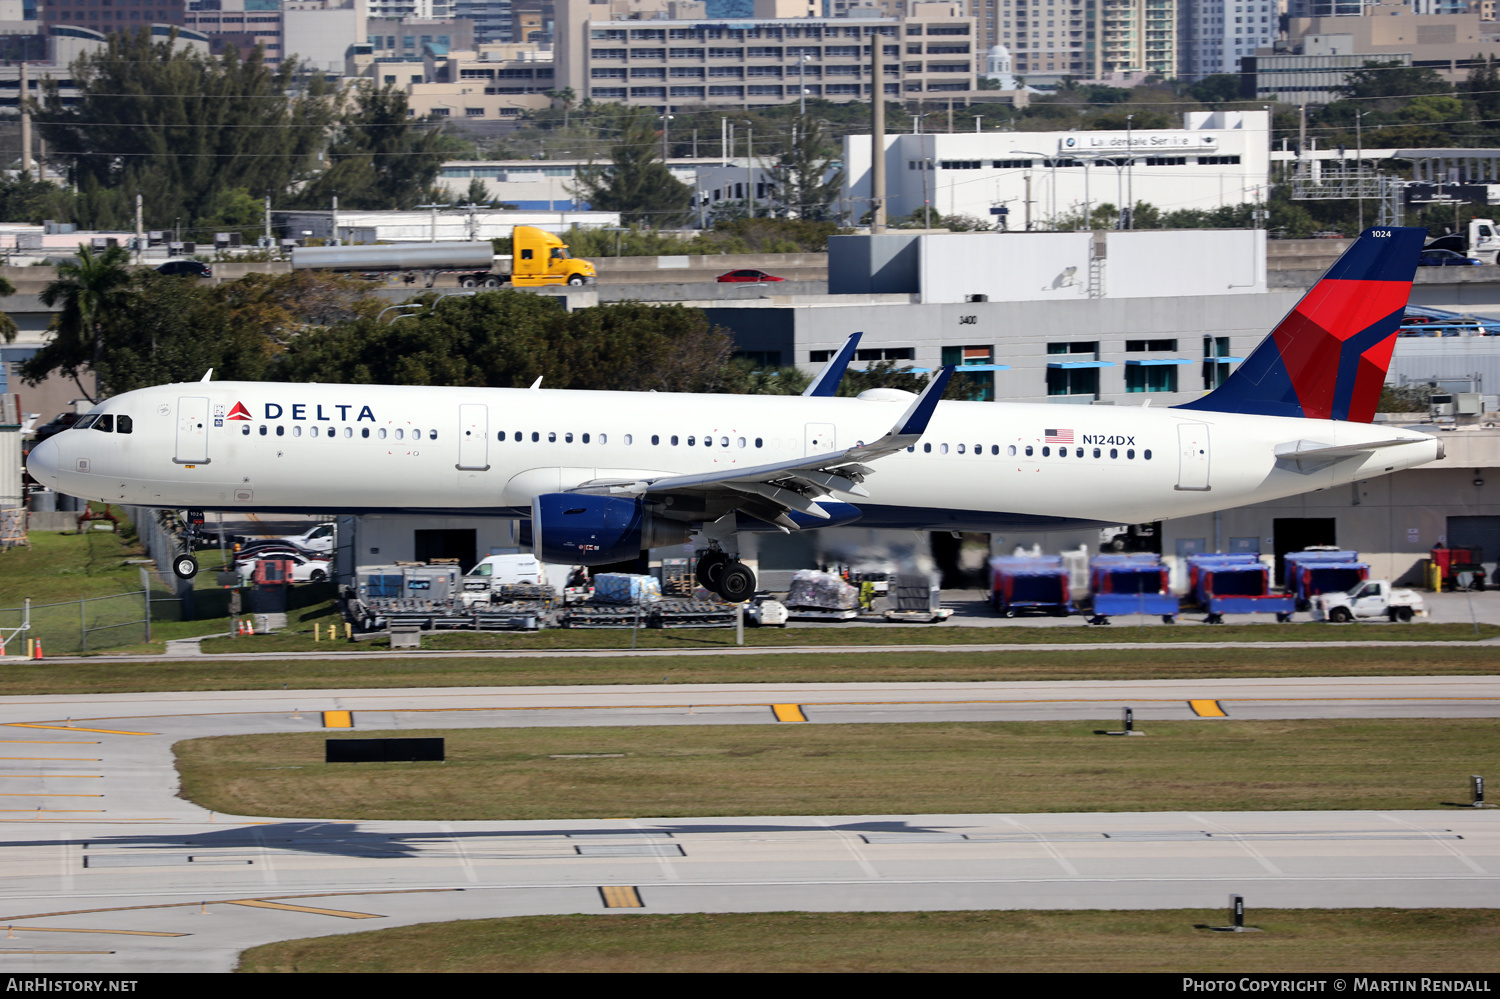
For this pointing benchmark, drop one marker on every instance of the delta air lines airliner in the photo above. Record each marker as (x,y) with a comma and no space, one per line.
(596,477)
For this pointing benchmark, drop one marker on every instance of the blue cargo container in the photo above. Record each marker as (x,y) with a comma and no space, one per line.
(1235,584)
(1036,583)
(1130,584)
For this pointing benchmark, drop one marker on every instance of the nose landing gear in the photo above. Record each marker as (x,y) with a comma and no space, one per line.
(728,577)
(184,566)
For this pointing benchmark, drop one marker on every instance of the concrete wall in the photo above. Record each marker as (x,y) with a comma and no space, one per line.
(884,264)
(1019,333)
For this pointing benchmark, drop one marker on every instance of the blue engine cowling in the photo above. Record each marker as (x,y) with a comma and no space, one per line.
(579,529)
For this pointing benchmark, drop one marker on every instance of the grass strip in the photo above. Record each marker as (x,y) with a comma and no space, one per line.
(1372,941)
(300,637)
(895,768)
(103,675)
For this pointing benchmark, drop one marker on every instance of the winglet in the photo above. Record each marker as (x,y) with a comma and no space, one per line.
(827,382)
(914,423)
(207,375)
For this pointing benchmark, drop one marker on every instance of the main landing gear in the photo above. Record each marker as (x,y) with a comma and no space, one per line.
(728,577)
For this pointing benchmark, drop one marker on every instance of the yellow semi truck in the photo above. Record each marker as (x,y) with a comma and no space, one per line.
(537,258)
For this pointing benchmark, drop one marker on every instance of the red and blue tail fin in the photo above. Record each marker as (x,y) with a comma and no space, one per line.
(1328,358)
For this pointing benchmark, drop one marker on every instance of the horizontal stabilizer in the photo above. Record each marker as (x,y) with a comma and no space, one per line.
(1309,456)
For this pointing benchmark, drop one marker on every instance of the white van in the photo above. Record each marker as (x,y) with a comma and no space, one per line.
(501,570)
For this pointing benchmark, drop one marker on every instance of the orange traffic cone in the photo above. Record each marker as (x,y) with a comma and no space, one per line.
(37,650)
(249,625)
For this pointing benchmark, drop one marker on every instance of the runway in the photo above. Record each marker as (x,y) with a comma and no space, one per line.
(105,869)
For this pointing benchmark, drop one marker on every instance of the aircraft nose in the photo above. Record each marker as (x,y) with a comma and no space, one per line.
(42,462)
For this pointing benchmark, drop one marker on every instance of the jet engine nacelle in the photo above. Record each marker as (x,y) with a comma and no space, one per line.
(580,529)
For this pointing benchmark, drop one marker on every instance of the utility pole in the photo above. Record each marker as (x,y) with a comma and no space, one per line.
(336,221)
(1129,174)
(268,220)
(25,124)
(978,120)
(140,236)
(950,116)
(750,171)
(877,153)
(1028,200)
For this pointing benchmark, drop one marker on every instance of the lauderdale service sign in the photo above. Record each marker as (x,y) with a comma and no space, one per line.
(1103,142)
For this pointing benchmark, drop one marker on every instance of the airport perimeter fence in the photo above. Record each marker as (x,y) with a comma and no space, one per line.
(88,624)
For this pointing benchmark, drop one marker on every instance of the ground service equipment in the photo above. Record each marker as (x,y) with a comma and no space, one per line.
(1040,584)
(1233,584)
(1130,584)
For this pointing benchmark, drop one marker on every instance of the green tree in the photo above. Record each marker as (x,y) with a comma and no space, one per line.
(157,119)
(510,338)
(478,193)
(807,180)
(8,329)
(1216,88)
(88,291)
(381,157)
(173,329)
(1391,80)
(636,183)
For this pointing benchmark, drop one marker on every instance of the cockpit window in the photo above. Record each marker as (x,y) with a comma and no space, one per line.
(87,421)
(124,424)
(105,423)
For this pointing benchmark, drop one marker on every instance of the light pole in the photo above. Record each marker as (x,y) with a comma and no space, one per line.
(1129,174)
(665,152)
(801,85)
(1359,166)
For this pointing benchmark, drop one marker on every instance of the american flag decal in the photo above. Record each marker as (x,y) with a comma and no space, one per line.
(1059,437)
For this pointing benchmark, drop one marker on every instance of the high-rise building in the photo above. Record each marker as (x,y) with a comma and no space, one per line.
(111,15)
(664,64)
(494,20)
(1091,39)
(1216,34)
(243,24)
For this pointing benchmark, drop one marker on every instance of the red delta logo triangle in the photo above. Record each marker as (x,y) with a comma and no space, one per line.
(239,412)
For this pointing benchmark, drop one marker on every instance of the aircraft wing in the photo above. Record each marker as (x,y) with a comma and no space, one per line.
(773,490)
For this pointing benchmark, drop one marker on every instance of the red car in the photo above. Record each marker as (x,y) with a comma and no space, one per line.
(736,277)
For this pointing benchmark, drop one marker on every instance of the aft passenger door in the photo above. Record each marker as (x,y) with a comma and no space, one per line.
(192,431)
(1192,456)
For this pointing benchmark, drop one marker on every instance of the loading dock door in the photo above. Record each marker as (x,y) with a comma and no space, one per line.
(192,430)
(1192,457)
(1292,534)
(1477,532)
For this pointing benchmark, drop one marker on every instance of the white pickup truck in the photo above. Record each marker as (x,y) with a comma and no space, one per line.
(1374,598)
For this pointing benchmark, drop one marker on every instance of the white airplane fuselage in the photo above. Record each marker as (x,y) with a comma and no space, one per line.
(259,446)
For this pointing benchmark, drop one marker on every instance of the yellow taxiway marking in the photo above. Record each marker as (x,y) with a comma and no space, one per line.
(7,950)
(1208,709)
(338,719)
(54,742)
(69,929)
(77,728)
(342,913)
(62,759)
(98,776)
(621,897)
(7,920)
(788,712)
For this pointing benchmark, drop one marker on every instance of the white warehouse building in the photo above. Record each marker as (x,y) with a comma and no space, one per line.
(1217,158)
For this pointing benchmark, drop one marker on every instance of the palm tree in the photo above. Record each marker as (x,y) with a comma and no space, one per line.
(8,329)
(86,290)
